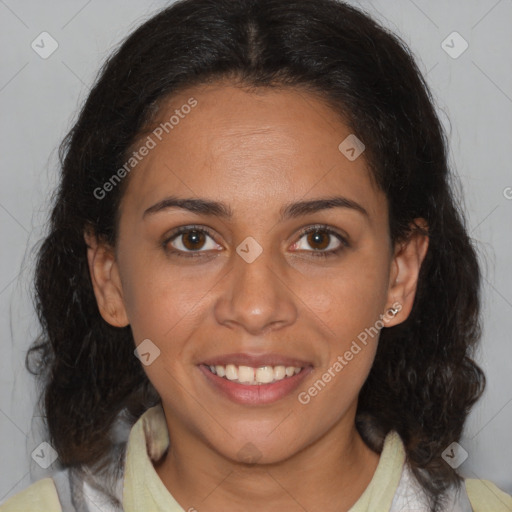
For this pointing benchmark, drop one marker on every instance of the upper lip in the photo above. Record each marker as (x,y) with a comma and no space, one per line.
(255,360)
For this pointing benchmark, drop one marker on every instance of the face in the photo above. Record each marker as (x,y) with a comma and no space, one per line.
(257,276)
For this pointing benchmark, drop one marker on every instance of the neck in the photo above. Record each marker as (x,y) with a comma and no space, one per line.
(329,475)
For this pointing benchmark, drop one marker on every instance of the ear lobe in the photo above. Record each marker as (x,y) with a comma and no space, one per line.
(105,280)
(406,265)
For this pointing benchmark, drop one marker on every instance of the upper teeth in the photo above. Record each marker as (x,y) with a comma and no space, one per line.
(249,375)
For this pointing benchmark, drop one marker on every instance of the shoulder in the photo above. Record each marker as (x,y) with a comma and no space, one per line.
(486,496)
(473,495)
(41,496)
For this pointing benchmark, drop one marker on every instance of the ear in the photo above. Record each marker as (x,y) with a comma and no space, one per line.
(405,269)
(105,279)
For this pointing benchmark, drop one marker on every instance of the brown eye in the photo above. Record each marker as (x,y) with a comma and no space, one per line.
(193,240)
(318,239)
(321,241)
(190,241)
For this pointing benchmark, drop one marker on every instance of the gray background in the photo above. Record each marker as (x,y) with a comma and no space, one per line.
(39,99)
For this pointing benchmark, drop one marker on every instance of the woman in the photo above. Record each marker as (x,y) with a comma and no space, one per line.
(255,265)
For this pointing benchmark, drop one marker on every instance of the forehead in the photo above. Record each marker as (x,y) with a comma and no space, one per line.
(240,145)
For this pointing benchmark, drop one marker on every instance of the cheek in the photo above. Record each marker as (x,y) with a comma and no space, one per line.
(350,299)
(336,387)
(159,301)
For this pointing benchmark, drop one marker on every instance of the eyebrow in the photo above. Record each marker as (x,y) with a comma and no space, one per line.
(288,211)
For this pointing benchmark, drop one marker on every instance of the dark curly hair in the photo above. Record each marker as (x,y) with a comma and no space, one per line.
(423,381)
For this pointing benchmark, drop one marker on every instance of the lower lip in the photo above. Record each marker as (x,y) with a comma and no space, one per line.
(255,394)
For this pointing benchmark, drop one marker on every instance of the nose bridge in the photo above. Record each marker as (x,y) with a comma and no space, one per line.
(255,296)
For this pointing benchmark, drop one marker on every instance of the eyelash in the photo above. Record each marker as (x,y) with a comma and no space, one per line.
(311,229)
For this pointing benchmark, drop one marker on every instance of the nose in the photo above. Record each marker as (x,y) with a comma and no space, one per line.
(255,296)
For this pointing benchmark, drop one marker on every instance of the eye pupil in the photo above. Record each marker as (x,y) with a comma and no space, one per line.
(196,238)
(317,237)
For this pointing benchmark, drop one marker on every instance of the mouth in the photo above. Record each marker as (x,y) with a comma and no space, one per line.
(254,380)
(249,376)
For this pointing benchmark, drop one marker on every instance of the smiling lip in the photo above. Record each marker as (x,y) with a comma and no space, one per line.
(255,394)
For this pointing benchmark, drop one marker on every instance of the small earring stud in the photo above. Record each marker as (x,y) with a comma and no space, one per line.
(392,312)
